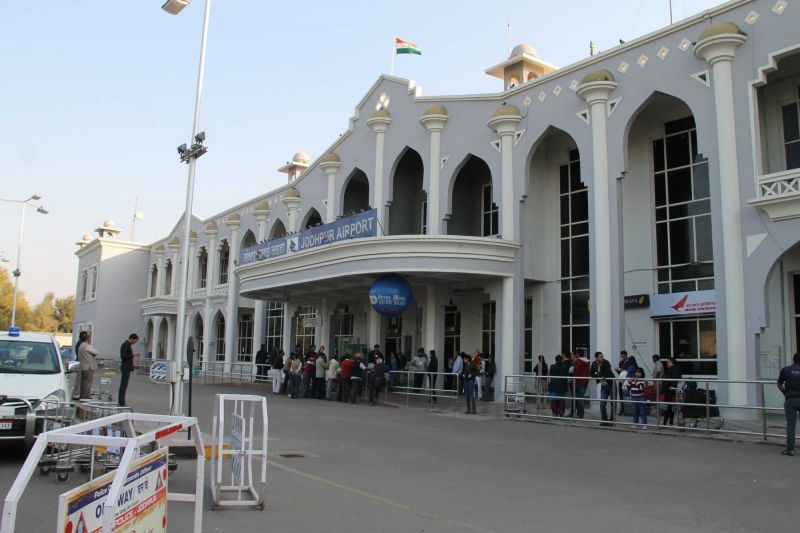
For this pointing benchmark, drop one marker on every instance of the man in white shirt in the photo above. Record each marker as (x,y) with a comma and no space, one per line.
(87,356)
(458,369)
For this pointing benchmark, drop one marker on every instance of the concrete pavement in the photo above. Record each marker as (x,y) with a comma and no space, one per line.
(403,470)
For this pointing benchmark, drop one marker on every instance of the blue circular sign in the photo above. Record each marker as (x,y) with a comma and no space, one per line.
(390,295)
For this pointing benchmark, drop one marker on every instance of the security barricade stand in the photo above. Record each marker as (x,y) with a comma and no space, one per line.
(242,410)
(116,498)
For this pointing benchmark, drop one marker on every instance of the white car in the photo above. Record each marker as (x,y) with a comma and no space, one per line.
(32,374)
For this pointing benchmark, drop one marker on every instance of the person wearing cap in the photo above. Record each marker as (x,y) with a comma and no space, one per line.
(789,385)
(126,366)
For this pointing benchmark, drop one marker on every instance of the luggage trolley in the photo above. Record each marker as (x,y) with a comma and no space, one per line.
(695,404)
(56,415)
(515,397)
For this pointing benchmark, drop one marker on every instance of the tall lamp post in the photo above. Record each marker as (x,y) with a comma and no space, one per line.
(187,155)
(17,272)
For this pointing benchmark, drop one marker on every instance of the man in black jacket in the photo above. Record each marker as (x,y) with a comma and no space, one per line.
(789,385)
(602,372)
(126,366)
(433,368)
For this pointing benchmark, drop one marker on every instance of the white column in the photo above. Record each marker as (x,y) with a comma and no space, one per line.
(190,282)
(718,49)
(173,282)
(288,313)
(292,202)
(232,318)
(330,164)
(595,90)
(170,347)
(434,120)
(379,122)
(508,358)
(504,121)
(160,272)
(260,305)
(373,328)
(430,321)
(323,332)
(211,257)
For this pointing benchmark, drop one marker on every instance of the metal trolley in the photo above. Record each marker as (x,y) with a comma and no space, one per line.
(56,415)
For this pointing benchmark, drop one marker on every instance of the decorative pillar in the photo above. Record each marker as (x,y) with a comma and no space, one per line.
(434,119)
(159,250)
(288,313)
(504,122)
(373,328)
(261,213)
(174,246)
(330,163)
(594,89)
(430,320)
(232,316)
(211,236)
(717,45)
(292,202)
(379,122)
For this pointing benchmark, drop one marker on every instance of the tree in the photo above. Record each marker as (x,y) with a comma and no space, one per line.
(7,301)
(44,315)
(65,312)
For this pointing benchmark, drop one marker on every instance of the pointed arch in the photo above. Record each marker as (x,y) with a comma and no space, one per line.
(218,336)
(149,338)
(355,196)
(470,206)
(278,229)
(311,219)
(248,239)
(408,202)
(197,335)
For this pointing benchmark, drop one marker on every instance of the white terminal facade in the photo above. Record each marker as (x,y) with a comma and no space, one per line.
(646,198)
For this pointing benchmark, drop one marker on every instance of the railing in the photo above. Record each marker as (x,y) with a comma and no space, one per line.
(219,290)
(779,184)
(213,372)
(427,387)
(675,401)
(199,292)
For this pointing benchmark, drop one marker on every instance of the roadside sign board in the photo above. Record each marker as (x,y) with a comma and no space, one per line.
(237,447)
(142,505)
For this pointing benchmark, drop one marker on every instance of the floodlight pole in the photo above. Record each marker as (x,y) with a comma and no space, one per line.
(178,356)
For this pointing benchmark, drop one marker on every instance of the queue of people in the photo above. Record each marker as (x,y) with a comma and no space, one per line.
(312,373)
(565,381)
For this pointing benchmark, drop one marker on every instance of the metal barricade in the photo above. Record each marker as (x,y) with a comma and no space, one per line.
(429,386)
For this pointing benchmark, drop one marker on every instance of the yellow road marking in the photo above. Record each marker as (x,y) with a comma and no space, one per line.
(380,499)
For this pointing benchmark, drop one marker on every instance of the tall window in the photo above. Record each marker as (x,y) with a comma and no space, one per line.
(245,344)
(423,214)
(489,212)
(574,209)
(198,340)
(85,284)
(394,335)
(796,281)
(488,327)
(684,250)
(791,134)
(527,361)
(154,280)
(168,278)
(342,330)
(693,342)
(304,334)
(274,336)
(219,339)
(452,331)
(93,276)
(202,268)
(224,256)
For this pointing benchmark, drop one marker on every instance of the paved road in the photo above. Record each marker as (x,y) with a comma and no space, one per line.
(405,470)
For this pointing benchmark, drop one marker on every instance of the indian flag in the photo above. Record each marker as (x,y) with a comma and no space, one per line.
(405,47)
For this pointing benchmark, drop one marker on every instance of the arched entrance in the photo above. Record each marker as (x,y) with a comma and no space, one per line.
(356,194)
(472,211)
(408,209)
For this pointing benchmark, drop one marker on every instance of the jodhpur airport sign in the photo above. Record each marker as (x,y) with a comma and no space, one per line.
(356,226)
(142,504)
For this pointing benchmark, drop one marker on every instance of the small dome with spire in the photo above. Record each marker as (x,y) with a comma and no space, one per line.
(523,48)
(301,157)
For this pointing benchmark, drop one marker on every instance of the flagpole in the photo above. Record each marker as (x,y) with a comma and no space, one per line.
(391,70)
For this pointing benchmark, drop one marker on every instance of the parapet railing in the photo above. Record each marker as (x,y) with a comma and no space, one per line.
(683,404)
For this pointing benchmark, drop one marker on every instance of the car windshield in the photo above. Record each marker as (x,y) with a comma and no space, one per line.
(27,357)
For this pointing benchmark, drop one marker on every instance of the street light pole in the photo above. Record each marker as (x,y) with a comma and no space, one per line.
(190,156)
(17,272)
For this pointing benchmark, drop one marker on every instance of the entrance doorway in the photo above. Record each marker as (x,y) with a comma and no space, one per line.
(393,342)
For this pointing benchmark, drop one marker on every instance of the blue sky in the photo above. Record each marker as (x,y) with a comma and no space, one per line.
(96,95)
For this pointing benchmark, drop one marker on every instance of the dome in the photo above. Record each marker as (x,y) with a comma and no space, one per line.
(211,228)
(332,157)
(108,223)
(435,110)
(301,157)
(720,28)
(261,206)
(87,237)
(381,113)
(159,248)
(506,111)
(292,193)
(233,219)
(598,75)
(193,235)
(174,241)
(522,49)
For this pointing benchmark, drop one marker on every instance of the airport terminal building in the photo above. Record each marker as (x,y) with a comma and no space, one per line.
(646,198)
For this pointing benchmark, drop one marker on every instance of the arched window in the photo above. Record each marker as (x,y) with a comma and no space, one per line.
(407,214)
(356,194)
(312,219)
(472,210)
(278,230)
